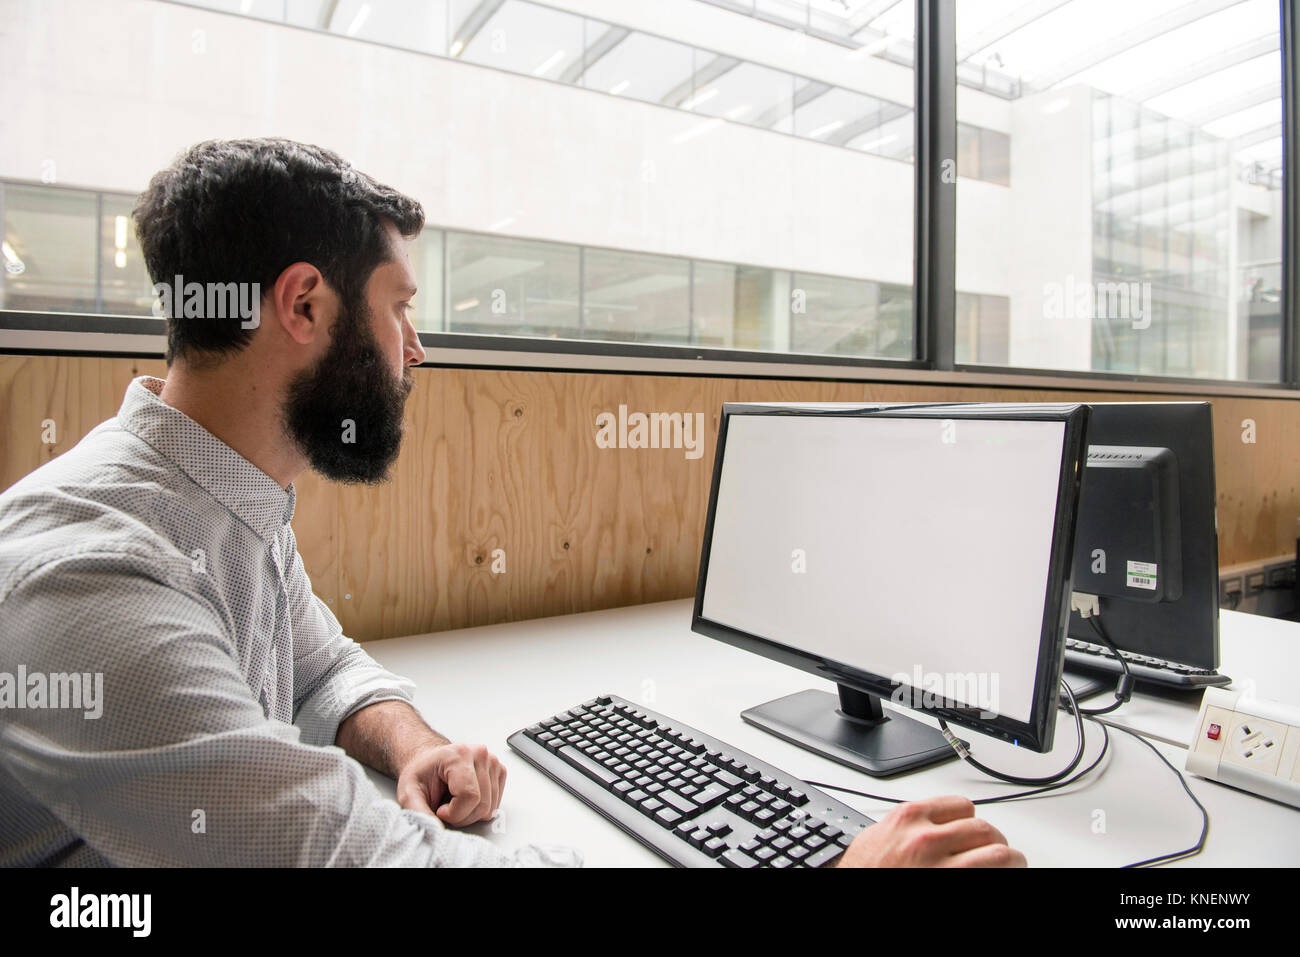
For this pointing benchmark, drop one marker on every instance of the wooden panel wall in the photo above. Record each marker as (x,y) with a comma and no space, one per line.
(508,460)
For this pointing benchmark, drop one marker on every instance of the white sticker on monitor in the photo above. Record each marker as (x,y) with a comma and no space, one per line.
(1142,575)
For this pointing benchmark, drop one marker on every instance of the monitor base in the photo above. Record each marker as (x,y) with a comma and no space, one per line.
(880,746)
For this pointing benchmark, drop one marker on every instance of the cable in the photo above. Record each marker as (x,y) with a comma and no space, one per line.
(1105,746)
(1149,862)
(1014,779)
(1205,815)
(1124,689)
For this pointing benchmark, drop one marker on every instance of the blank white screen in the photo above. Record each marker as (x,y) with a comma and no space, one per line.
(921,554)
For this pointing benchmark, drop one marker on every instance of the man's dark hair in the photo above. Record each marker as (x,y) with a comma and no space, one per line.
(244,210)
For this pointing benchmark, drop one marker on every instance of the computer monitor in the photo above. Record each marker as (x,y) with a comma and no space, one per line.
(914,553)
(1162,607)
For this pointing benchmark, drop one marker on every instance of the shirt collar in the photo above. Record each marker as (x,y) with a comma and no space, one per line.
(246,491)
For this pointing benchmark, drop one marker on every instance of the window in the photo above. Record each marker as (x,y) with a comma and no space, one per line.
(1141,147)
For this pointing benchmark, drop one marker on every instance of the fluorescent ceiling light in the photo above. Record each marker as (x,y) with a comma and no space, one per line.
(828,128)
(359,19)
(618,88)
(702,97)
(877,143)
(467,304)
(9,254)
(549,62)
(457,47)
(119,232)
(501,224)
(736,112)
(697,130)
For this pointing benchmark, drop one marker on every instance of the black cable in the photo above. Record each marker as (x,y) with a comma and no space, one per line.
(1149,862)
(1205,815)
(989,800)
(1015,779)
(1124,689)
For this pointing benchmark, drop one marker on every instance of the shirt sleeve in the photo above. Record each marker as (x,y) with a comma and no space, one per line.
(332,675)
(181,766)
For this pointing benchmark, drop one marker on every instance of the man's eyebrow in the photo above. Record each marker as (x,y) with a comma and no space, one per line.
(408,290)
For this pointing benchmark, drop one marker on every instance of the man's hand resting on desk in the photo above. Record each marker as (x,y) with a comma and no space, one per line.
(466,776)
(939,832)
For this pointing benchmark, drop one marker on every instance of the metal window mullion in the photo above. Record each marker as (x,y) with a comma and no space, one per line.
(1289,330)
(934,286)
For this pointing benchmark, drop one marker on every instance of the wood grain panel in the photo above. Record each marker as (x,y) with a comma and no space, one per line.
(507,460)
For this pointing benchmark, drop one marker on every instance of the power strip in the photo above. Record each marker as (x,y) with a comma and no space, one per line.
(1248,743)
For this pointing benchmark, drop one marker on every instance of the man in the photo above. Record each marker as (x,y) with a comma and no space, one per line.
(155,563)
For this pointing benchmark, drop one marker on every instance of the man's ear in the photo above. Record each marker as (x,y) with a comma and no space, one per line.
(303,302)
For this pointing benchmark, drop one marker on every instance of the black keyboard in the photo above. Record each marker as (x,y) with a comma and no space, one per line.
(1086,654)
(690,798)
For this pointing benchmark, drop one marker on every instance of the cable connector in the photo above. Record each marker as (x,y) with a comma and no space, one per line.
(1124,690)
(956,745)
(1086,605)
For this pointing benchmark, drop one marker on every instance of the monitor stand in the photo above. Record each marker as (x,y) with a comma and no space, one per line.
(855,731)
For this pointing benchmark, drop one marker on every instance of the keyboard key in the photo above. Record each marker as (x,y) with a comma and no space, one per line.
(828,853)
(797,853)
(781,863)
(667,817)
(814,842)
(606,777)
(714,846)
(764,854)
(748,810)
(699,837)
(737,858)
(750,846)
(636,797)
(763,816)
(780,789)
(718,828)
(781,843)
(831,832)
(679,803)
(651,805)
(797,797)
(711,795)
(728,779)
(765,835)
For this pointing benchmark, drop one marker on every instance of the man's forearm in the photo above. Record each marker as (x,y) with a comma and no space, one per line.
(385,735)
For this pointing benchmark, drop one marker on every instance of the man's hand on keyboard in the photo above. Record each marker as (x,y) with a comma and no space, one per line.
(457,783)
(939,832)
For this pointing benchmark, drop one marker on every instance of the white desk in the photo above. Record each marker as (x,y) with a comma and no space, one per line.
(482,684)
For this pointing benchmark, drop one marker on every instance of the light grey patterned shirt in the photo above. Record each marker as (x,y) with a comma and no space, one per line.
(154,555)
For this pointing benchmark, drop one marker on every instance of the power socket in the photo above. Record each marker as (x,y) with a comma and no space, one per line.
(1248,743)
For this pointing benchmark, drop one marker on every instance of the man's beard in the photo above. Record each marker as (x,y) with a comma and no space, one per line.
(346,413)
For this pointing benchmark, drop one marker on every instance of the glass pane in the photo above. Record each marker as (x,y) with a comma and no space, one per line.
(641,67)
(520,37)
(1142,170)
(124,280)
(663,182)
(49,249)
(413,24)
(426,260)
(511,286)
(635,297)
(849,317)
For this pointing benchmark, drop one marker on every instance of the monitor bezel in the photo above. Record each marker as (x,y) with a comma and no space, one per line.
(1037,733)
